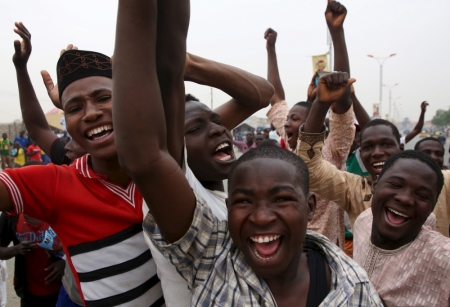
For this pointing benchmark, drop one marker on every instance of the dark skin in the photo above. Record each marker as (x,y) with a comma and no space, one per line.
(259,139)
(378,143)
(158,171)
(418,128)
(296,117)
(408,187)
(335,14)
(433,149)
(204,132)
(249,139)
(33,116)
(274,205)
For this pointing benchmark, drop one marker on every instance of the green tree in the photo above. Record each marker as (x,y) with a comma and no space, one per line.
(442,118)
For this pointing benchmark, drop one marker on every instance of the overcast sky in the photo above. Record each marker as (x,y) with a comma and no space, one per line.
(231,31)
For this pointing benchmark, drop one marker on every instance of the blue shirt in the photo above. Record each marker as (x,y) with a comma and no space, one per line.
(22,141)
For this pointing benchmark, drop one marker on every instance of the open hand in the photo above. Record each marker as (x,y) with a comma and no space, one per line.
(22,48)
(332,86)
(271,37)
(423,106)
(56,270)
(52,89)
(26,247)
(335,14)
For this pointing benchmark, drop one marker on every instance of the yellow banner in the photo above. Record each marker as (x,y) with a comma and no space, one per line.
(320,63)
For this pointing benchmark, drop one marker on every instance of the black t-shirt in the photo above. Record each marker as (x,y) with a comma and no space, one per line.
(58,153)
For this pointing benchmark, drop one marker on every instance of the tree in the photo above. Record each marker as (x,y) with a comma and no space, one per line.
(442,118)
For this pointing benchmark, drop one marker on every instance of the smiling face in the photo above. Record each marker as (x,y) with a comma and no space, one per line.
(296,117)
(403,199)
(378,143)
(433,149)
(268,217)
(87,109)
(208,143)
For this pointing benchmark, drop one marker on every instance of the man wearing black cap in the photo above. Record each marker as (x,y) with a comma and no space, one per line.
(92,205)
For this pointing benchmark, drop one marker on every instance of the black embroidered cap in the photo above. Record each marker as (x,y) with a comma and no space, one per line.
(77,64)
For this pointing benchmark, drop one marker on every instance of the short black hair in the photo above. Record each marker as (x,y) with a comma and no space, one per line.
(276,153)
(190,97)
(305,104)
(419,156)
(416,147)
(382,122)
(259,134)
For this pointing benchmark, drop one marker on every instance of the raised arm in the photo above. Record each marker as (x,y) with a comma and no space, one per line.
(335,16)
(32,113)
(360,113)
(273,75)
(250,93)
(418,128)
(138,111)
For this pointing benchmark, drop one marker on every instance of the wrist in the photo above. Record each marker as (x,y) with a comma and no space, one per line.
(270,47)
(336,30)
(21,68)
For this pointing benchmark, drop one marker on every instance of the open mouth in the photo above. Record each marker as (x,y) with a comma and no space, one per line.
(99,133)
(265,247)
(223,152)
(378,166)
(395,217)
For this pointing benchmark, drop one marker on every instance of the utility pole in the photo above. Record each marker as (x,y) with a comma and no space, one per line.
(211,98)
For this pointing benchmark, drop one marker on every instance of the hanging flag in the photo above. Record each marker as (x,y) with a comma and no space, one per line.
(376,110)
(320,63)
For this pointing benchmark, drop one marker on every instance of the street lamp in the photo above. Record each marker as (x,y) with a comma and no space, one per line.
(390,95)
(381,61)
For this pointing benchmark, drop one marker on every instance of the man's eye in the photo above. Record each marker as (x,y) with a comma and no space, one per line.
(104,99)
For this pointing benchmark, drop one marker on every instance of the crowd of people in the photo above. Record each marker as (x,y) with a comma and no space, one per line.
(317,211)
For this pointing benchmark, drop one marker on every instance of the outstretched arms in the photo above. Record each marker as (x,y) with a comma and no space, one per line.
(32,113)
(273,75)
(249,92)
(138,111)
(418,128)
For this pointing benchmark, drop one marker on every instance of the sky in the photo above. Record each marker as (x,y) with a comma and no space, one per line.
(232,31)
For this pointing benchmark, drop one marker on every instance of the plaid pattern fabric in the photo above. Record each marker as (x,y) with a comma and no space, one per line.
(218,274)
(416,274)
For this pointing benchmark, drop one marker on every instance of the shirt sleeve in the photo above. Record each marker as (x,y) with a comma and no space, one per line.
(277,115)
(58,153)
(347,190)
(342,132)
(195,254)
(33,190)
(239,144)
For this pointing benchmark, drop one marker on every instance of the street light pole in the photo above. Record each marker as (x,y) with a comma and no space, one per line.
(390,96)
(381,61)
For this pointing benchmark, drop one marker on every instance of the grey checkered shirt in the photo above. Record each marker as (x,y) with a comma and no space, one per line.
(218,275)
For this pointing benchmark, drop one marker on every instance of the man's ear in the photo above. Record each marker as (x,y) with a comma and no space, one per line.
(374,183)
(226,202)
(311,205)
(402,147)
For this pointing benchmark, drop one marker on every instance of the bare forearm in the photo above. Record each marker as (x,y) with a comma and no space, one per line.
(170,58)
(8,252)
(361,115)
(137,107)
(341,63)
(316,118)
(32,113)
(273,75)
(417,129)
(250,92)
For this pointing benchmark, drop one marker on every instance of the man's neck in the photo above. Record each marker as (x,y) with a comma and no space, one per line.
(111,168)
(249,144)
(213,185)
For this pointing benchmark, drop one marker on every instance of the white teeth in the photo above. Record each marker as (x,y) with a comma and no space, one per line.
(264,239)
(378,164)
(398,213)
(99,130)
(223,145)
(226,158)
